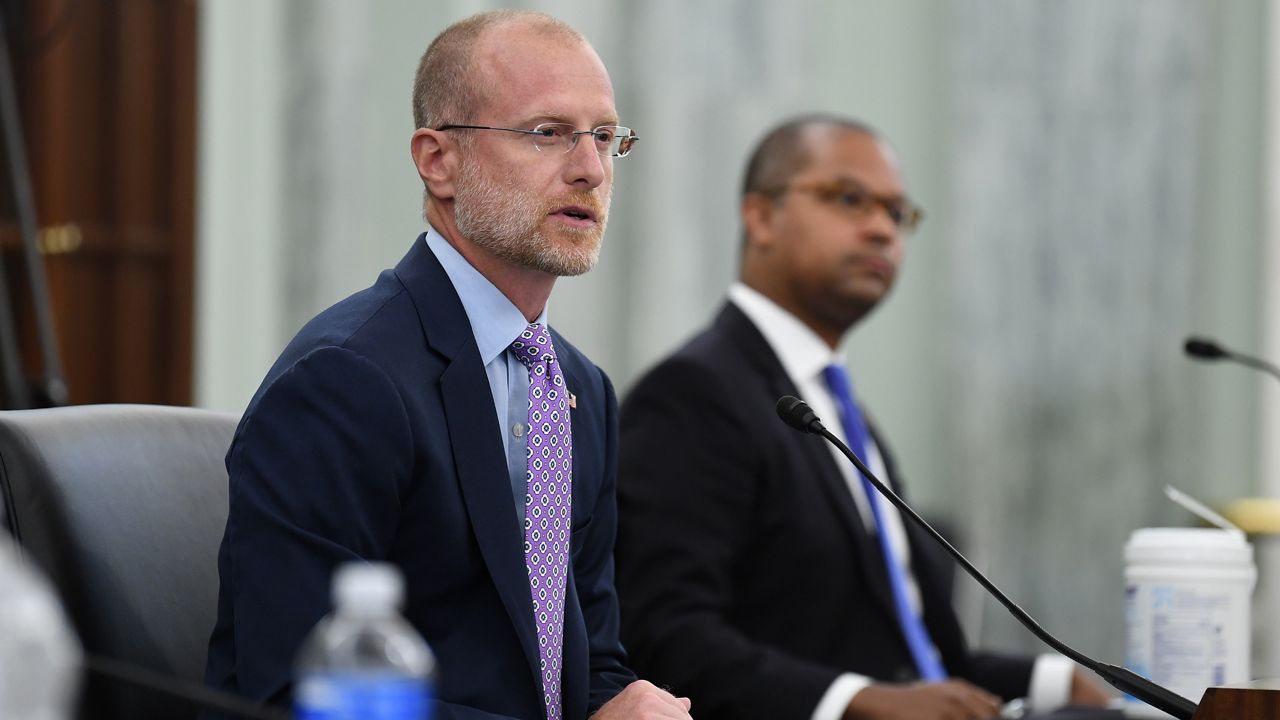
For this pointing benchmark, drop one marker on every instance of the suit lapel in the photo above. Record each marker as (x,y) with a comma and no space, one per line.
(473,437)
(573,383)
(818,461)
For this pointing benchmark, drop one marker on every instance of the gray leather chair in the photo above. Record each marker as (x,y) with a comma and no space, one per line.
(123,508)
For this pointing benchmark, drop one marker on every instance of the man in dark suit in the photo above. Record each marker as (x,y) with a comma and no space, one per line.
(756,573)
(434,422)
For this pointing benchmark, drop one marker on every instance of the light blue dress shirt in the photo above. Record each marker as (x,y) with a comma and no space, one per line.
(496,323)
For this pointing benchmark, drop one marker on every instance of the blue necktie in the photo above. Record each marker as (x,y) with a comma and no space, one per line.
(855,430)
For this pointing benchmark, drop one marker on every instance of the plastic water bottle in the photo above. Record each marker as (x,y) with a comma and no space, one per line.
(364,661)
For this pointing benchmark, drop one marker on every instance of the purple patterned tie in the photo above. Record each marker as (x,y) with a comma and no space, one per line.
(547,501)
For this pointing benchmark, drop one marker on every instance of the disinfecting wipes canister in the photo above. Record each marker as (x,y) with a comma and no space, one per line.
(1187,609)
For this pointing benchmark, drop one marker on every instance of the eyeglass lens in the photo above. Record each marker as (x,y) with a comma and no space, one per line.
(860,202)
(610,140)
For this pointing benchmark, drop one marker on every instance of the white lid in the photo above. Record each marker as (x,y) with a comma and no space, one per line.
(1188,546)
(367,587)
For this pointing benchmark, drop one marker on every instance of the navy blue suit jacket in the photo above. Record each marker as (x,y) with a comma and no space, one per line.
(748,580)
(374,437)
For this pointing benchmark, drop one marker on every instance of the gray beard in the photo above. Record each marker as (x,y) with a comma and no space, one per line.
(505,222)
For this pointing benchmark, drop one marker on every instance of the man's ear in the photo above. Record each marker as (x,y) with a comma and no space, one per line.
(757,220)
(437,158)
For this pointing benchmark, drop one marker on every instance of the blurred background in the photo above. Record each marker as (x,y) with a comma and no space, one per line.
(1099,177)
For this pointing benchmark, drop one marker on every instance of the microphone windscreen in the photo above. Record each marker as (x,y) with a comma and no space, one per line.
(796,413)
(1203,348)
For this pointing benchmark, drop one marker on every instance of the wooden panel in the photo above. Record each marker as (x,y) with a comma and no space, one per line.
(1258,700)
(109,110)
(181,48)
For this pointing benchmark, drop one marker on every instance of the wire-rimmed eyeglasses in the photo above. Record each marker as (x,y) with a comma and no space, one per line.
(856,201)
(611,140)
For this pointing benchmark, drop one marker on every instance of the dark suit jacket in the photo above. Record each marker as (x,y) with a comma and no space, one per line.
(747,578)
(374,437)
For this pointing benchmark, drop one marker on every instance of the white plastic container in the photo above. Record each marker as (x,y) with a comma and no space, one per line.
(1187,599)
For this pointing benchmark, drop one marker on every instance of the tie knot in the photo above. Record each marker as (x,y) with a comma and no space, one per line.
(838,380)
(533,347)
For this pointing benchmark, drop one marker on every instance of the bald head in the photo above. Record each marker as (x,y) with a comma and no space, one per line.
(450,86)
(788,148)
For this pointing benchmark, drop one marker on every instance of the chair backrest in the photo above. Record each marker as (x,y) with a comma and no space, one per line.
(123,507)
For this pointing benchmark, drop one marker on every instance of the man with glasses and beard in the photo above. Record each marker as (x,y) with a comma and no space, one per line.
(434,421)
(757,573)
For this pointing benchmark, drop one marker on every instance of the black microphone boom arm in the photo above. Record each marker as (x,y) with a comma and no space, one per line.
(796,413)
(1202,348)
(193,693)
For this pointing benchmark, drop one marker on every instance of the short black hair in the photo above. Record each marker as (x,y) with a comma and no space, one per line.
(782,152)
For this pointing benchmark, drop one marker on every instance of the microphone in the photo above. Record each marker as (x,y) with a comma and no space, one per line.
(797,414)
(191,692)
(1207,350)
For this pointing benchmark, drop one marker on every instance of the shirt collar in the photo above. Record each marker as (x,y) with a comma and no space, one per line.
(803,354)
(495,321)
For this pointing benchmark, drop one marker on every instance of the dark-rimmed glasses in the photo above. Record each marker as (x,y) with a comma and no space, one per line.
(611,140)
(858,202)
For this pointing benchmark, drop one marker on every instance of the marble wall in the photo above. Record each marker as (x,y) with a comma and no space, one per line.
(1081,196)
(1091,170)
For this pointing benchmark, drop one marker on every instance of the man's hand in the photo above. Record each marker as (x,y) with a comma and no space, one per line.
(642,700)
(1086,692)
(947,700)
